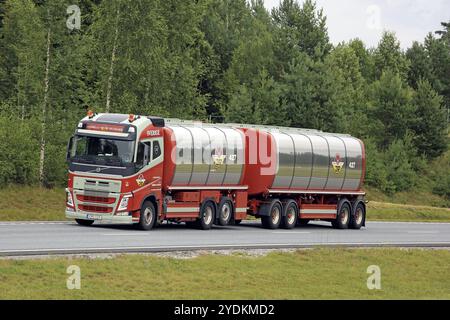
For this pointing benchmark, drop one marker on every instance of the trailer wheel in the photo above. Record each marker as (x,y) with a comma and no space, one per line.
(85,223)
(207,214)
(358,216)
(225,211)
(290,215)
(273,220)
(343,217)
(148,216)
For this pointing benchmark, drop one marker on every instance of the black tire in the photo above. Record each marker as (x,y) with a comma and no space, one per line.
(225,211)
(237,222)
(358,216)
(343,217)
(147,218)
(303,222)
(290,215)
(207,215)
(273,220)
(85,223)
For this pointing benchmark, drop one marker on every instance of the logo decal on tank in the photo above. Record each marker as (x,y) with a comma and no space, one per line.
(140,180)
(337,164)
(218,158)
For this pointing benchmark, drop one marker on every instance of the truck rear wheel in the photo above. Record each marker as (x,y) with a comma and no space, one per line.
(85,223)
(148,216)
(225,211)
(207,215)
(273,220)
(358,216)
(343,216)
(290,215)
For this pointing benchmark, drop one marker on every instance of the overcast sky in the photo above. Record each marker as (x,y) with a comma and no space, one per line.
(366,19)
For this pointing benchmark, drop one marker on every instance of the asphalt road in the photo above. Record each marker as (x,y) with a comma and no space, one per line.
(41,238)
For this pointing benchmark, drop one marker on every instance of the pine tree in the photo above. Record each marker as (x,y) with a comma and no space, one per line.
(430,121)
(389,56)
(299,29)
(391,110)
(420,64)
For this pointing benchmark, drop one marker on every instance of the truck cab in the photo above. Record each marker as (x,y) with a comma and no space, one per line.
(115,164)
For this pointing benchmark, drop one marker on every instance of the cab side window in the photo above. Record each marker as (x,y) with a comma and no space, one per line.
(156,150)
(143,154)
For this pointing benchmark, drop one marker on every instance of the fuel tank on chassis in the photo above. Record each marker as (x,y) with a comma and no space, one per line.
(262,158)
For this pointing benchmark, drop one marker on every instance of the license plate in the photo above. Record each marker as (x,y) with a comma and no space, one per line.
(93,217)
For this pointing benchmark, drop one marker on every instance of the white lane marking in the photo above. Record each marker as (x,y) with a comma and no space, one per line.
(423,232)
(125,234)
(20,223)
(290,232)
(258,245)
(406,222)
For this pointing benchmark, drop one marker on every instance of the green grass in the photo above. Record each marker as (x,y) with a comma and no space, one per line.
(416,198)
(381,211)
(304,274)
(32,203)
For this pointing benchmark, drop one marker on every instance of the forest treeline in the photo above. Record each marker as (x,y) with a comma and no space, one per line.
(220,61)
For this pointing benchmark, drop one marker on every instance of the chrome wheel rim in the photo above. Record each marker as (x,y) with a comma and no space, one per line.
(148,216)
(275,215)
(226,211)
(344,215)
(359,216)
(207,216)
(291,216)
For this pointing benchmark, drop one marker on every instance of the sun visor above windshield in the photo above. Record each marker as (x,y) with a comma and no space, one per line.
(119,131)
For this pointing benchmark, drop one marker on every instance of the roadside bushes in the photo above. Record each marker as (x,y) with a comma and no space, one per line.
(395,169)
(19,154)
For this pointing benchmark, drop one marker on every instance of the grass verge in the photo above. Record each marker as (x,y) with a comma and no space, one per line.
(380,211)
(32,203)
(303,274)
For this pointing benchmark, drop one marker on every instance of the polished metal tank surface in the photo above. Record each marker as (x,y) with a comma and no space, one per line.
(213,155)
(207,155)
(317,161)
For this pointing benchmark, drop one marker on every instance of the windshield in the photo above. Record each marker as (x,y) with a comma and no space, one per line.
(102,151)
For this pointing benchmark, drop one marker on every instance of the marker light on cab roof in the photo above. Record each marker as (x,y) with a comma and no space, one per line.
(90,114)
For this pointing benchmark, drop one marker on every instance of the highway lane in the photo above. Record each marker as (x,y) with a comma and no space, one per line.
(36,238)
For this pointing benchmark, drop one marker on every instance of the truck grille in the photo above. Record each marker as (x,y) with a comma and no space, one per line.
(96,209)
(94,199)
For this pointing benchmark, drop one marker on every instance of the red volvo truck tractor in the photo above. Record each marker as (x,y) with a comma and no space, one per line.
(144,170)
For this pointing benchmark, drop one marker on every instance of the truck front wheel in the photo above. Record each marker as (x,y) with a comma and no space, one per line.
(148,216)
(85,223)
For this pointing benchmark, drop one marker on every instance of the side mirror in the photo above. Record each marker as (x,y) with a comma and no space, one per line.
(69,148)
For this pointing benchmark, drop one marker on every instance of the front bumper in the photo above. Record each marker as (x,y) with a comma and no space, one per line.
(108,218)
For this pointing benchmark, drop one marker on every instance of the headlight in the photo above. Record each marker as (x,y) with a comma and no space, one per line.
(69,199)
(124,203)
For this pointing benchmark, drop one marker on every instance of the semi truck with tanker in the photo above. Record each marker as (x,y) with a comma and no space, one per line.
(145,170)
